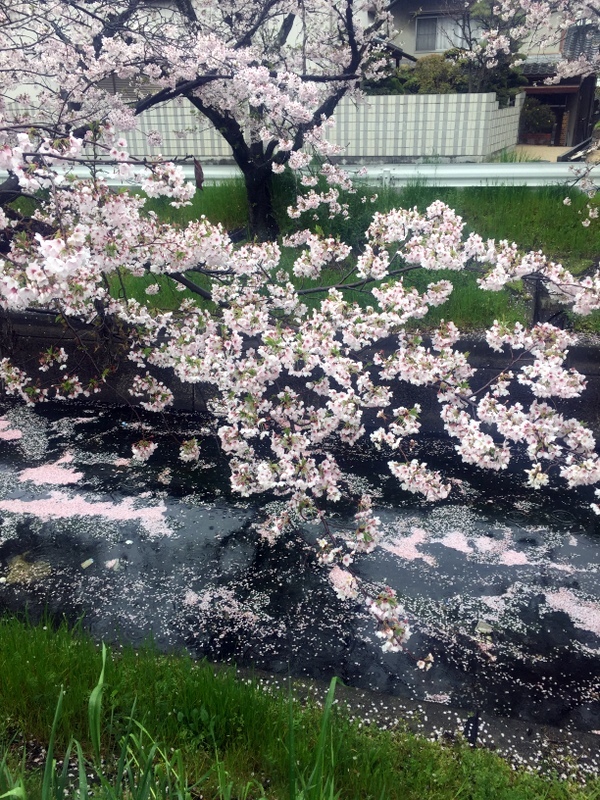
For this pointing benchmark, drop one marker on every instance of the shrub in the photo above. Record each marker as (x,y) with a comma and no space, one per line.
(432,74)
(449,73)
(536,117)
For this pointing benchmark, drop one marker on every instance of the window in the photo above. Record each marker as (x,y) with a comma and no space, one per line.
(438,34)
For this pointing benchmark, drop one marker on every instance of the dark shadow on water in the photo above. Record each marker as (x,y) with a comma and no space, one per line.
(205,582)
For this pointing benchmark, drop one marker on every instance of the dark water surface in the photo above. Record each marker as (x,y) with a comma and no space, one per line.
(163,550)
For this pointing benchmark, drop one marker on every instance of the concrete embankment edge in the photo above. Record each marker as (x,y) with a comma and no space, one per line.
(23,336)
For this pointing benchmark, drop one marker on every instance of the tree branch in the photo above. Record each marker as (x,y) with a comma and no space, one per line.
(193,287)
(355,284)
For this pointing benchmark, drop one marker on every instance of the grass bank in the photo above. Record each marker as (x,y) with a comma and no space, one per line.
(168,727)
(535,218)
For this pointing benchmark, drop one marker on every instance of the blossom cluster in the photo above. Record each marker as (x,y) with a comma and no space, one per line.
(285,377)
(393,626)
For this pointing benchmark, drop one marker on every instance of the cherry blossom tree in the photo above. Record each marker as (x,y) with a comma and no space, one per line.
(570,26)
(283,378)
(545,24)
(263,342)
(265,73)
(475,19)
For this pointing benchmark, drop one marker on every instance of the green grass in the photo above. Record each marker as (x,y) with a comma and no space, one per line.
(191,723)
(468,306)
(125,286)
(535,218)
(225,203)
(509,156)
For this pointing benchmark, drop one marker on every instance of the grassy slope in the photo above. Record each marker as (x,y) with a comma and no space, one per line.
(534,218)
(187,706)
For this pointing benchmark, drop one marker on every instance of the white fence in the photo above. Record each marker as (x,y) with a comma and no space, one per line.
(384,129)
(446,127)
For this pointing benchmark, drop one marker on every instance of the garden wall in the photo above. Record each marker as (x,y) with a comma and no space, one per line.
(385,128)
(448,127)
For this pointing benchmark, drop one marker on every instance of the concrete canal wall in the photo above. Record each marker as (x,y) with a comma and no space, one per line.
(23,336)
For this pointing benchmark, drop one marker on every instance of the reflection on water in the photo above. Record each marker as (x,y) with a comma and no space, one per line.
(500,583)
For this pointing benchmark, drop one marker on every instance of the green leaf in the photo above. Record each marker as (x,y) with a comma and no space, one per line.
(95,709)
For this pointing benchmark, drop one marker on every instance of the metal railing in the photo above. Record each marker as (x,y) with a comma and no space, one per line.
(489,174)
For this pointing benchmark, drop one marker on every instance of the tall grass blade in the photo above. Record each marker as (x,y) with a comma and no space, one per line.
(12,787)
(16,791)
(314,787)
(95,709)
(15,785)
(291,745)
(81,774)
(50,765)
(144,761)
(61,788)
(122,763)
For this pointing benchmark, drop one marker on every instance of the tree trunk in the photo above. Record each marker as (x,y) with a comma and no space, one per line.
(262,222)
(255,164)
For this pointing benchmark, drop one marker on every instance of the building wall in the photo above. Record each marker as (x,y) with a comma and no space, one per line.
(386,128)
(504,126)
(406,12)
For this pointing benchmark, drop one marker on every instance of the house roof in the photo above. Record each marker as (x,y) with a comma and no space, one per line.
(540,65)
(582,40)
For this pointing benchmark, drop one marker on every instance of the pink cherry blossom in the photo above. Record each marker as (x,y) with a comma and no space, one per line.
(283,378)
